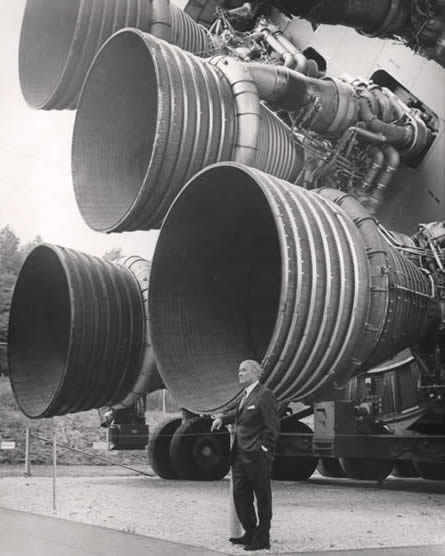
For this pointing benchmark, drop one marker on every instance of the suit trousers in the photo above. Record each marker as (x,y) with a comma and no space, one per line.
(249,479)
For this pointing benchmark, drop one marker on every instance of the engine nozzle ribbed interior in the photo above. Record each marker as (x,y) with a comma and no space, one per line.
(76,333)
(151,115)
(248,266)
(59,39)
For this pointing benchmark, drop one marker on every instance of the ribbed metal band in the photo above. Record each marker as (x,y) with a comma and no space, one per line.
(301,280)
(132,157)
(83,320)
(59,39)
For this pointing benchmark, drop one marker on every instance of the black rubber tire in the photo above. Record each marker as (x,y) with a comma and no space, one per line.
(288,467)
(200,455)
(366,469)
(330,467)
(430,471)
(405,469)
(159,448)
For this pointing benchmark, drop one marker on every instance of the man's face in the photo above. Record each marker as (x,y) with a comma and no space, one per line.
(247,375)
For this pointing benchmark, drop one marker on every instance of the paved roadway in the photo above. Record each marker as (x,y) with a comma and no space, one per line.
(26,534)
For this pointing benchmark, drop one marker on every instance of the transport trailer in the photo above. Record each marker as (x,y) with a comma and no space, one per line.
(291,155)
(381,423)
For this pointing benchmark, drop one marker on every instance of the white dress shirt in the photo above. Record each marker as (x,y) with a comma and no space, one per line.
(250,388)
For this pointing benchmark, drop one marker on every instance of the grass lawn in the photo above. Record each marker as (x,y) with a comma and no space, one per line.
(78,430)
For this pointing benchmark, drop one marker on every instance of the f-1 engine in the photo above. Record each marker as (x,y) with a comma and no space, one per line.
(270,180)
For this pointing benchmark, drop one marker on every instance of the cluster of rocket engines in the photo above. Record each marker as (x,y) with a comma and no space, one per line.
(270,252)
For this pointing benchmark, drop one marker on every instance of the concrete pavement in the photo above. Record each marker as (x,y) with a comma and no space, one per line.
(27,534)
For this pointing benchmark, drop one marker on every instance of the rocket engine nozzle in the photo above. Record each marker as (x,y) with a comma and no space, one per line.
(77,337)
(420,24)
(151,115)
(60,38)
(300,280)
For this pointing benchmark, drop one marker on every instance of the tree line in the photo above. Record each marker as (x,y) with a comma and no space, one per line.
(12,255)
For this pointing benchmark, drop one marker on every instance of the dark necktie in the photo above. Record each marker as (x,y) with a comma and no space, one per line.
(243,399)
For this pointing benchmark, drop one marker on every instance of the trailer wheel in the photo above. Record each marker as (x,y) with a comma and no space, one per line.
(288,466)
(405,469)
(159,448)
(430,470)
(198,454)
(366,469)
(330,467)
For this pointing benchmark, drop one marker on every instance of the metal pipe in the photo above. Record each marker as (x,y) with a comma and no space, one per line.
(288,58)
(401,136)
(390,166)
(384,103)
(151,115)
(301,62)
(291,56)
(54,470)
(148,378)
(27,472)
(337,108)
(368,105)
(160,25)
(383,111)
(59,39)
(76,333)
(368,136)
(377,17)
(300,280)
(247,107)
(377,159)
(378,101)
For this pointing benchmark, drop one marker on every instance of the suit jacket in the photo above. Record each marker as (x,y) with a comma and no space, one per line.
(257,424)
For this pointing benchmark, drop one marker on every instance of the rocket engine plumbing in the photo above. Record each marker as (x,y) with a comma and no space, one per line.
(346,133)
(271,251)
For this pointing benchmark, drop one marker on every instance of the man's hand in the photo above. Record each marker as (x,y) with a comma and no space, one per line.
(217,423)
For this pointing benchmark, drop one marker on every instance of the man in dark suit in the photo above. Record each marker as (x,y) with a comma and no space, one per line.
(257,427)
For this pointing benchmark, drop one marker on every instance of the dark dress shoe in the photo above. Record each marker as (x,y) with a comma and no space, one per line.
(245,539)
(258,546)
